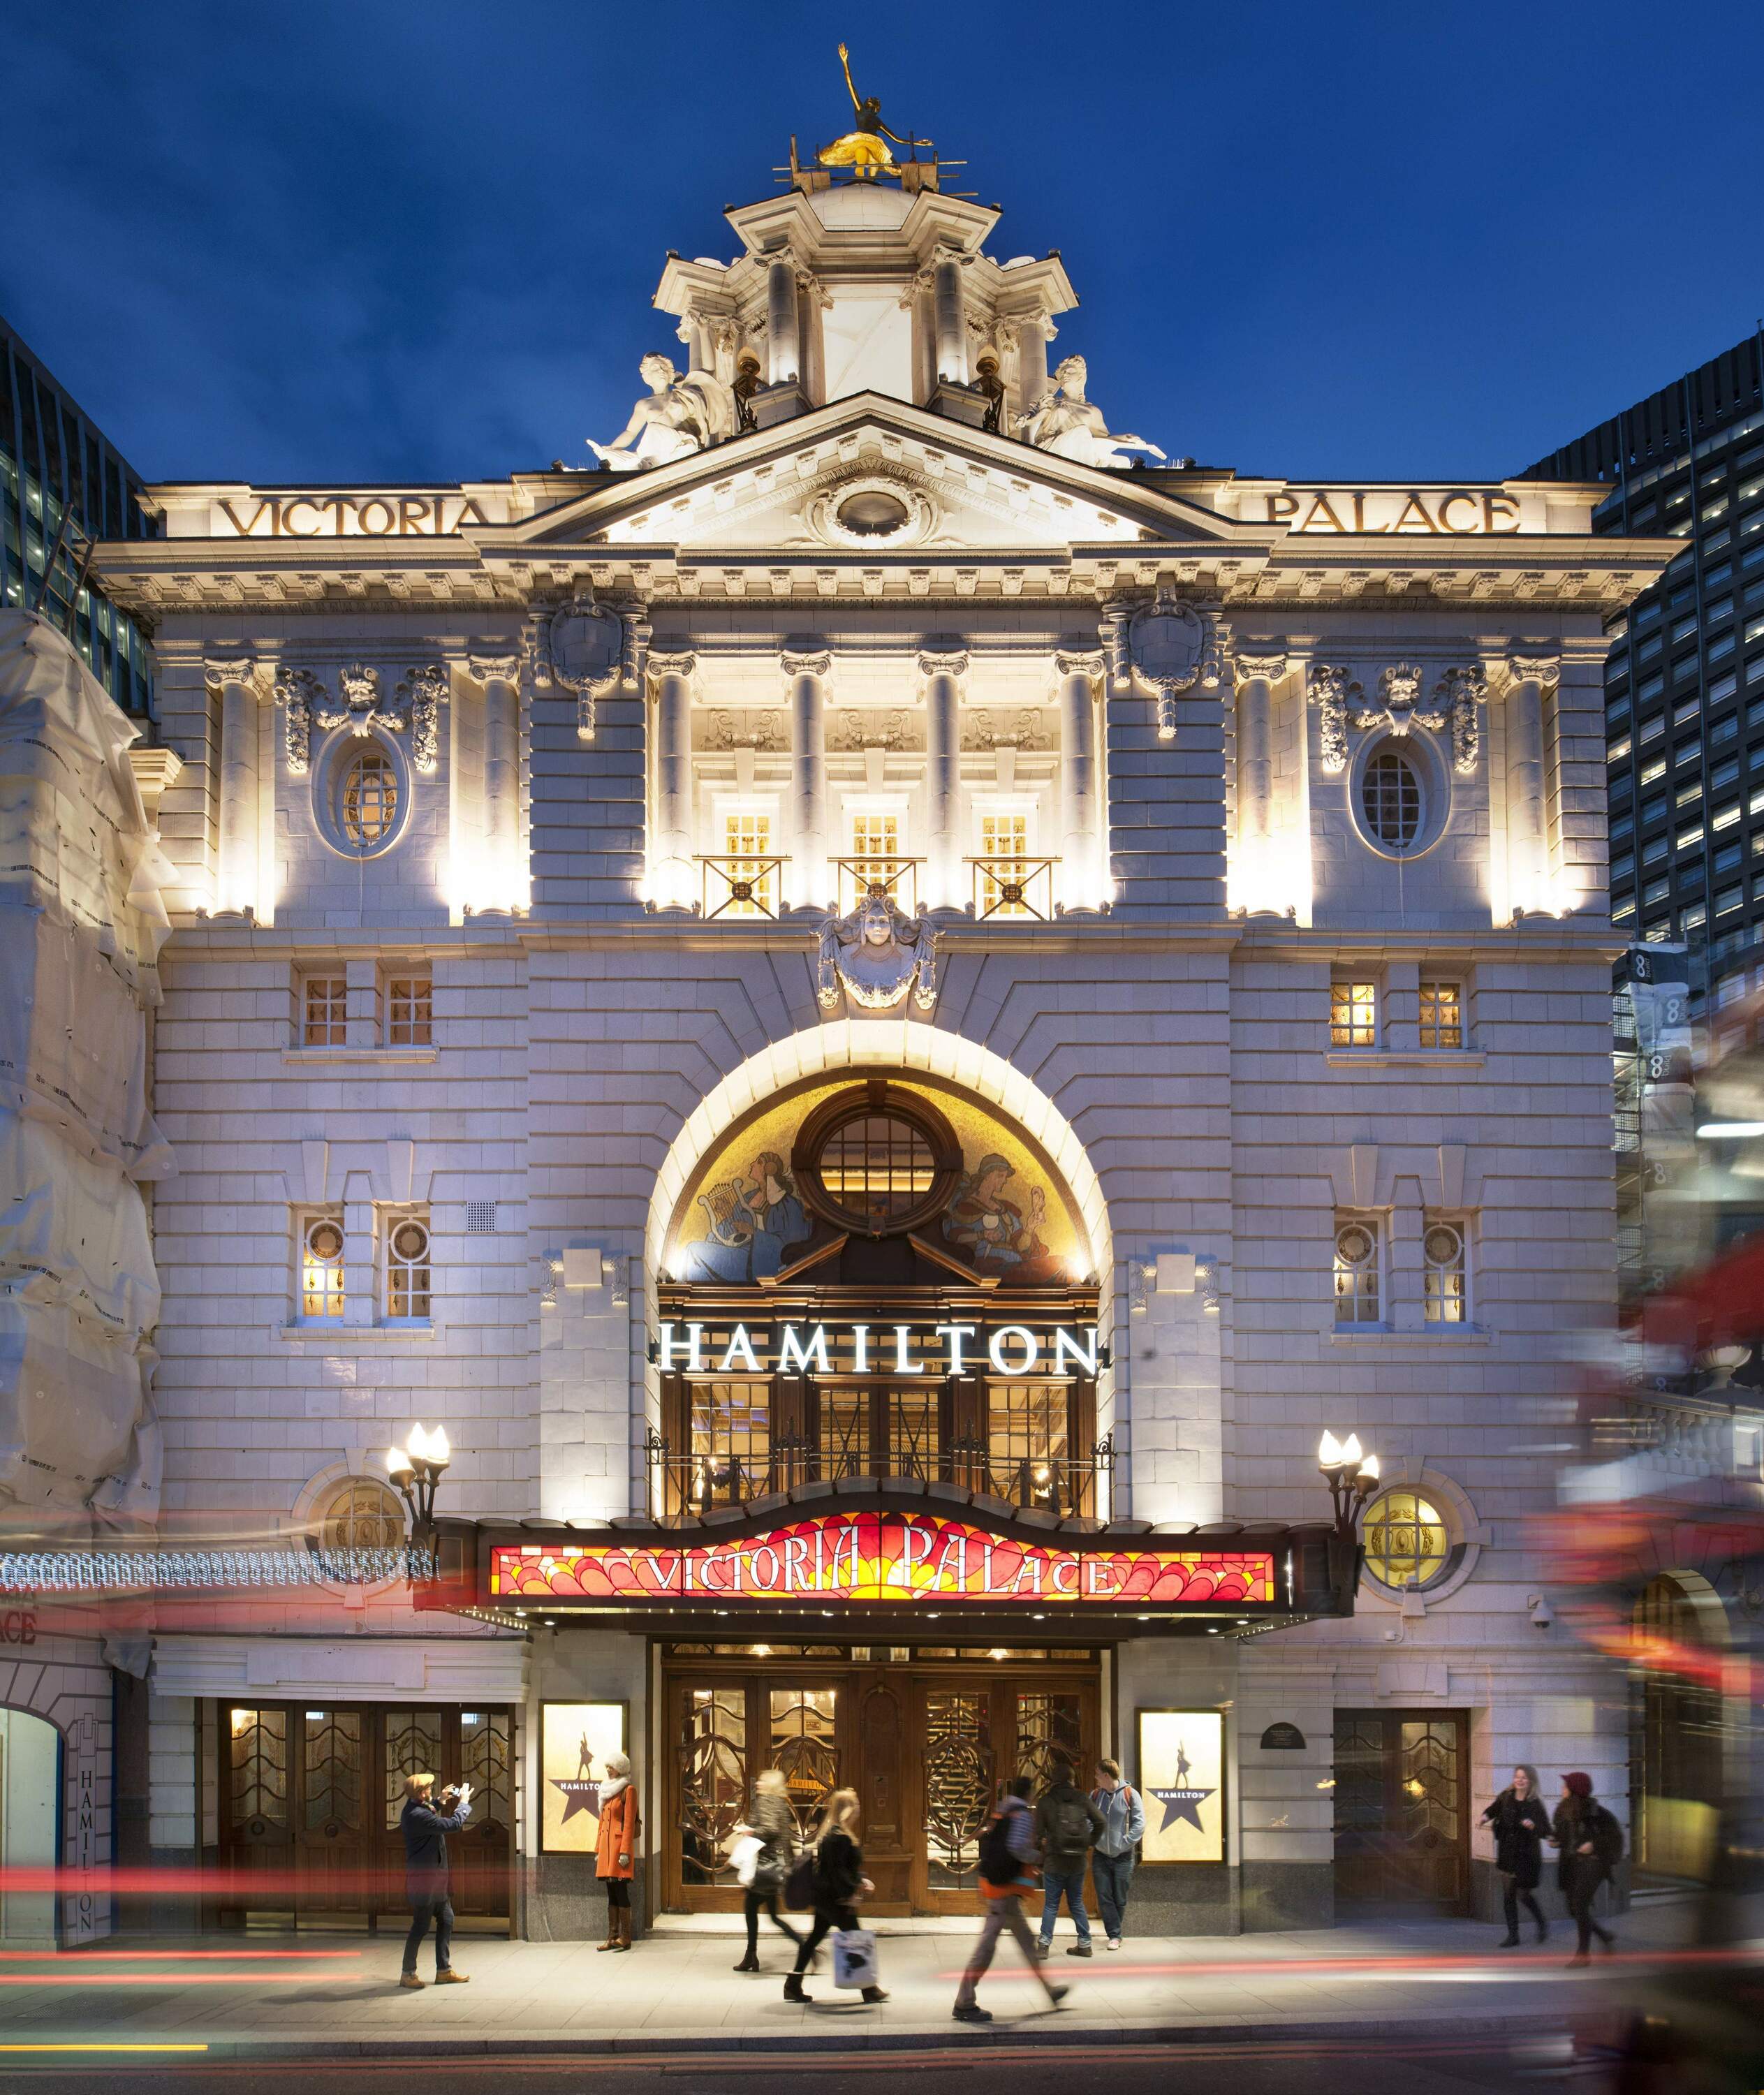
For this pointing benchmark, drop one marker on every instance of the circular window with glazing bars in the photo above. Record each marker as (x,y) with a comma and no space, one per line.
(1407,1541)
(876,1161)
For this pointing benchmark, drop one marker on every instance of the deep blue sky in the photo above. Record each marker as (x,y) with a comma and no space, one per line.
(350,239)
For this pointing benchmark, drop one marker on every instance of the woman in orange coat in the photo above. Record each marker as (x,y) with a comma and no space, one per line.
(616,1851)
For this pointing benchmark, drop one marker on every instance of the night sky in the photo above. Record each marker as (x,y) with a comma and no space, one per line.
(336,242)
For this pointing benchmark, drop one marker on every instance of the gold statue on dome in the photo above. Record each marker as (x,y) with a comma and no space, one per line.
(865,150)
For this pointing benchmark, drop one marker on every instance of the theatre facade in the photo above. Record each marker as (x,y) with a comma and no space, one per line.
(885,1007)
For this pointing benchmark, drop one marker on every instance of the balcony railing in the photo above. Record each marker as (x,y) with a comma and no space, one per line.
(1012,887)
(741,887)
(898,878)
(682,1486)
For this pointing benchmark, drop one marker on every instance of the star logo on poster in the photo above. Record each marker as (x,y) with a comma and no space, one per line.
(1181,1803)
(578,1796)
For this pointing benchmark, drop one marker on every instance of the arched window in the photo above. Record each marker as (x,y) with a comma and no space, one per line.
(1407,1542)
(362,1514)
(368,801)
(1391,801)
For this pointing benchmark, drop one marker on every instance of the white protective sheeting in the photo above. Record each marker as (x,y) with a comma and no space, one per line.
(81,923)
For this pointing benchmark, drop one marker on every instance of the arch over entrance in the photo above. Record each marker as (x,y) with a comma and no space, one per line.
(30,1805)
(1682,1629)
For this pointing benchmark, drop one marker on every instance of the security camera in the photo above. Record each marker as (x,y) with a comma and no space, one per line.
(1539,1608)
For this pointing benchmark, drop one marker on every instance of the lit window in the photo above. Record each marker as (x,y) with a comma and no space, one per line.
(748,841)
(1406,1542)
(1353,1014)
(1390,800)
(362,1514)
(1688,839)
(410,1011)
(1442,1248)
(407,1270)
(1656,770)
(1003,837)
(730,1429)
(1356,1273)
(1617,750)
(1442,1014)
(1724,818)
(368,801)
(321,1268)
(323,1011)
(1730,898)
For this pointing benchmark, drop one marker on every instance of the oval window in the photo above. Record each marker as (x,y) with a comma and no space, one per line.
(1389,801)
(367,801)
(873,513)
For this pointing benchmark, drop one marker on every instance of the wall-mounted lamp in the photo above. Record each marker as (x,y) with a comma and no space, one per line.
(415,1470)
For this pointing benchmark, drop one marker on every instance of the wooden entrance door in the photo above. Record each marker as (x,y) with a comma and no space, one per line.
(926,1744)
(1402,1810)
(310,1800)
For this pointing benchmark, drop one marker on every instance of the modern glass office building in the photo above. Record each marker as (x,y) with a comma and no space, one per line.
(52,457)
(1684,684)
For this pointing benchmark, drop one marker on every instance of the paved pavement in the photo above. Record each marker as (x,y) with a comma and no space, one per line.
(281,1996)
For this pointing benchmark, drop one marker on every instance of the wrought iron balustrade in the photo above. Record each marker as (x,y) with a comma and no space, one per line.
(735,886)
(1012,885)
(878,873)
(682,1485)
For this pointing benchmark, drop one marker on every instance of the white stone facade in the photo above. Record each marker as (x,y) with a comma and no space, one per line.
(1162,1025)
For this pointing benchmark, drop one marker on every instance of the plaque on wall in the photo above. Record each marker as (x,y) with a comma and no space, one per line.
(1282,1739)
(576,1741)
(1182,1775)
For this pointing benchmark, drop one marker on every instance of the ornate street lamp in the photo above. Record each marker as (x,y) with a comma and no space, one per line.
(1352,1475)
(416,1469)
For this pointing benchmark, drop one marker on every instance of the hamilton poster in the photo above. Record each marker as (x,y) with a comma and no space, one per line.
(575,1740)
(1181,1780)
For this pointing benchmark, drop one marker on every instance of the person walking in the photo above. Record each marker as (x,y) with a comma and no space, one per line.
(426,1830)
(1007,1873)
(616,1849)
(1066,1824)
(839,1883)
(1521,1826)
(1590,1841)
(772,1824)
(1115,1853)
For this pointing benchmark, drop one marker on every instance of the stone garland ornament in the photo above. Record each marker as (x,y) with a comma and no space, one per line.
(748,728)
(590,649)
(1467,688)
(1332,691)
(361,711)
(425,691)
(1026,729)
(876,953)
(299,694)
(1400,707)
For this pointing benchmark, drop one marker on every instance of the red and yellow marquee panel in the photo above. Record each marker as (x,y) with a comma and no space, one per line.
(899,1557)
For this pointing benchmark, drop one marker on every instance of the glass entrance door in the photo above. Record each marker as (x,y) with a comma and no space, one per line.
(1402,1825)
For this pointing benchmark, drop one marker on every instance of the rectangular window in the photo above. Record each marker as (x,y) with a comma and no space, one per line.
(1617,750)
(1687,752)
(1692,918)
(1730,898)
(410,1009)
(1357,1247)
(1656,891)
(1444,1283)
(1006,838)
(320,1251)
(1650,771)
(407,1275)
(1626,908)
(1725,730)
(1688,839)
(730,1430)
(1724,774)
(1724,818)
(1353,1014)
(323,1011)
(1442,1014)
(1622,868)
(1688,711)
(747,842)
(875,837)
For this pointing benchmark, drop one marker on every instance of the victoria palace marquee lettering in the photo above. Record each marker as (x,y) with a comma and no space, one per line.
(889,1556)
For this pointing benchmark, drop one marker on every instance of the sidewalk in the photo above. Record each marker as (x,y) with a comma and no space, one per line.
(265,1996)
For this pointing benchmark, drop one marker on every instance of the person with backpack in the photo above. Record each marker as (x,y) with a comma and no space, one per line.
(1066,1825)
(1591,1844)
(839,1883)
(771,1823)
(1007,1847)
(1116,1851)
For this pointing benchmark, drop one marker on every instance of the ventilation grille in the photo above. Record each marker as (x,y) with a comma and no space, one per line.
(481,1218)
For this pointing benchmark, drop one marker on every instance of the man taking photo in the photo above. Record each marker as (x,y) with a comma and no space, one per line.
(425,1828)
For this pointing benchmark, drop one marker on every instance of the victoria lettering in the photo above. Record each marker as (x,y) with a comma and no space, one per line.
(354,516)
(906,1349)
(1457,512)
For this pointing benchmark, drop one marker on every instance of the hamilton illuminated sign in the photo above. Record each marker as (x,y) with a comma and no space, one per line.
(880,1348)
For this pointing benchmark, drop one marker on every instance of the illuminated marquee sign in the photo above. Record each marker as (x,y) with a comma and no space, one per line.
(890,1557)
(1457,512)
(891,1349)
(315,515)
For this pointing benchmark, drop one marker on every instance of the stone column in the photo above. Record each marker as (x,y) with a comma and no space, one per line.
(1032,333)
(805,878)
(1080,883)
(236,874)
(942,672)
(1257,671)
(504,885)
(673,880)
(947,306)
(1527,834)
(783,343)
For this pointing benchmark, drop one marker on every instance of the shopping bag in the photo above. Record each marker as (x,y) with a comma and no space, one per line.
(743,1855)
(854,1956)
